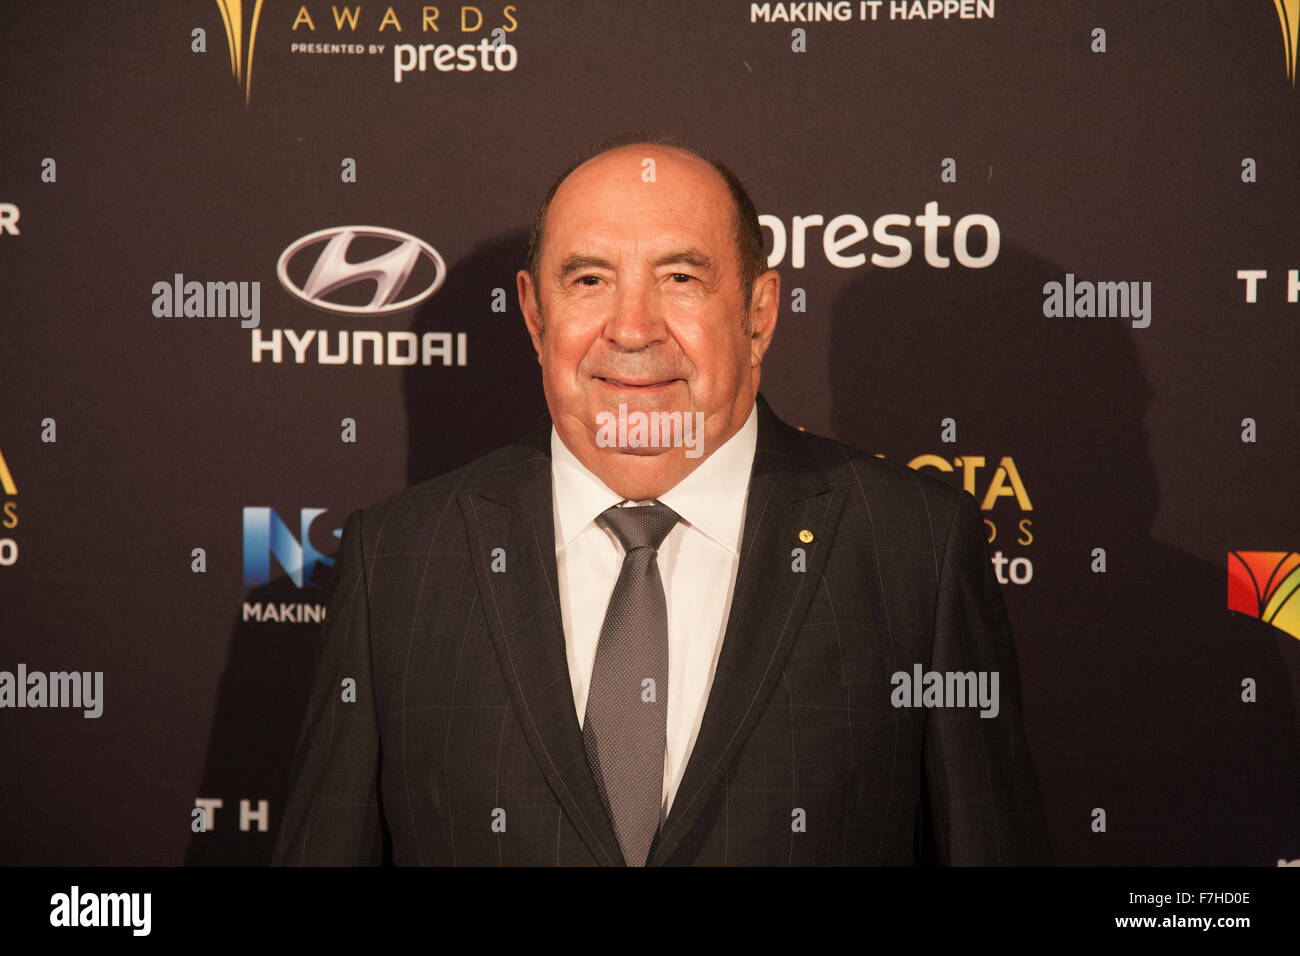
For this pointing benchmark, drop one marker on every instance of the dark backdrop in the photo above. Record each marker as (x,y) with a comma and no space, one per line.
(1123,165)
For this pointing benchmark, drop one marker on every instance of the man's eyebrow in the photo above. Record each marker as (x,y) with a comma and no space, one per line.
(576,263)
(689,256)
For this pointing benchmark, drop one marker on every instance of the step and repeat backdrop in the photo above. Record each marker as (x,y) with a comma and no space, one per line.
(1045,251)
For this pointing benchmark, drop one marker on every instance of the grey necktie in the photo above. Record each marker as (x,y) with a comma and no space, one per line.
(625,729)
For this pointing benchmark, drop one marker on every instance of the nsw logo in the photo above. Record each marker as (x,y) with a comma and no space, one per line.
(266,535)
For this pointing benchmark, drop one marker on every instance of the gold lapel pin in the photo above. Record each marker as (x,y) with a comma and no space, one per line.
(805,535)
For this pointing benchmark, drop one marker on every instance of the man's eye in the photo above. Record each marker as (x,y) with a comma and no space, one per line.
(681,275)
(584,279)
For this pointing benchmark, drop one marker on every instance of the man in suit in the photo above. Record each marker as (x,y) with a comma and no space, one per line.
(581,650)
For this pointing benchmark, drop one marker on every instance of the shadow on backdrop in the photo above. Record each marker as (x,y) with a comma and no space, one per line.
(262,700)
(1132,678)
(448,424)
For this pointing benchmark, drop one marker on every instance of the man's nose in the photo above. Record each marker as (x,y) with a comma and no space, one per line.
(636,318)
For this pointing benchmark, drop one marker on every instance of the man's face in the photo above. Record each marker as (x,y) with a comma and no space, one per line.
(641,304)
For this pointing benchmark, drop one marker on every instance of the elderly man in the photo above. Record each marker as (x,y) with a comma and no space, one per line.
(665,627)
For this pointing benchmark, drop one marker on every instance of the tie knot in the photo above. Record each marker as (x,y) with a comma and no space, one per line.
(641,526)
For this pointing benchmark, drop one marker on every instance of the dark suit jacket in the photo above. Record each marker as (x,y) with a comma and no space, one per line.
(463,745)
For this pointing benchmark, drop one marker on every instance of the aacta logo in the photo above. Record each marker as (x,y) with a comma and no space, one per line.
(241,60)
(1288,12)
(389,272)
(6,479)
(8,516)
(1264,584)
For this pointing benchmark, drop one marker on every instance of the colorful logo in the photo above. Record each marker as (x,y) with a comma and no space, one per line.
(1288,13)
(1264,584)
(241,63)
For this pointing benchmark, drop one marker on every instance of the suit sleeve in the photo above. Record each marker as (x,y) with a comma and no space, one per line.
(332,816)
(982,801)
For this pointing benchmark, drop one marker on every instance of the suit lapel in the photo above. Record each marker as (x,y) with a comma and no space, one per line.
(512,510)
(788,493)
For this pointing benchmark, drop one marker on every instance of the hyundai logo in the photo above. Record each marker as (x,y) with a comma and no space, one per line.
(390,270)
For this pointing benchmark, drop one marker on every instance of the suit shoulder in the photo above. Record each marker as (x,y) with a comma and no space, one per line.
(847,465)
(433,496)
(893,506)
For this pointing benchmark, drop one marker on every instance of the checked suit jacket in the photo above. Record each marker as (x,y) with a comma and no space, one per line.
(463,747)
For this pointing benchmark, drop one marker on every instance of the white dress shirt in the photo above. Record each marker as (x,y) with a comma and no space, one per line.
(697,562)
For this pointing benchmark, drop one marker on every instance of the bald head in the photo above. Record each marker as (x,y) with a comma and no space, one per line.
(746,232)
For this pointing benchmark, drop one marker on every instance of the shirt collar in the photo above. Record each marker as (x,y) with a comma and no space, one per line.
(711,498)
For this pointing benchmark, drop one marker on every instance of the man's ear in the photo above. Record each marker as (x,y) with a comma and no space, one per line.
(764,304)
(528,306)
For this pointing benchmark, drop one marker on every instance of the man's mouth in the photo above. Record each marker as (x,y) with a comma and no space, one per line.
(637,383)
